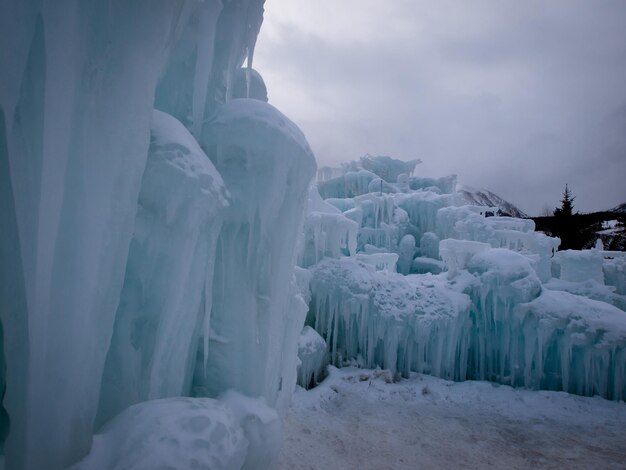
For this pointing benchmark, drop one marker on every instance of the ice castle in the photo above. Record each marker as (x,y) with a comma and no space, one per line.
(162,248)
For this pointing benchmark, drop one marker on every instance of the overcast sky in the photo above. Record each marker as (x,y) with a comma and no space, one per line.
(519,97)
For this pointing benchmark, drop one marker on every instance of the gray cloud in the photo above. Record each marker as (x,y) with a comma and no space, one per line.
(517,97)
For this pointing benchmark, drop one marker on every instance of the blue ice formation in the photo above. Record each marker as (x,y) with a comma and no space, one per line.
(151,201)
(469,294)
(154,207)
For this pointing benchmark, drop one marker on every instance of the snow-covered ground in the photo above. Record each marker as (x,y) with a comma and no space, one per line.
(360,419)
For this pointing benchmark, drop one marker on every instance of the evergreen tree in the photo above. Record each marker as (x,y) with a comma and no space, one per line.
(569,226)
(567,204)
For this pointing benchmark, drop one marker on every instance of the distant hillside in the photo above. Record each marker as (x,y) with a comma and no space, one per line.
(483,197)
(620,208)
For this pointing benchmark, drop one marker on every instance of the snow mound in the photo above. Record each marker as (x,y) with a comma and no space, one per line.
(188,433)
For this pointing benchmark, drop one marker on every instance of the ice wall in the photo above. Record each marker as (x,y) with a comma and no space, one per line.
(327,232)
(492,321)
(380,318)
(512,322)
(78,84)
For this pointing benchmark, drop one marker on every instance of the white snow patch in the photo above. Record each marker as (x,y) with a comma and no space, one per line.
(358,419)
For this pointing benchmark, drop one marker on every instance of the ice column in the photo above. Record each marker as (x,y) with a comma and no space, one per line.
(267,165)
(168,275)
(77,90)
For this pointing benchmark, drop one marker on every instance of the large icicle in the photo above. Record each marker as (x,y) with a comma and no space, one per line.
(77,134)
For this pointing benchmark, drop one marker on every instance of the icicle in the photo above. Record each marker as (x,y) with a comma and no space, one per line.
(248,68)
(205,38)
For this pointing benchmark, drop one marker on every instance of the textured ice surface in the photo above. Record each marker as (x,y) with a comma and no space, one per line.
(248,83)
(457,253)
(133,268)
(327,232)
(498,263)
(388,168)
(350,184)
(379,261)
(491,322)
(571,343)
(614,267)
(589,288)
(398,322)
(234,432)
(406,252)
(77,96)
(577,266)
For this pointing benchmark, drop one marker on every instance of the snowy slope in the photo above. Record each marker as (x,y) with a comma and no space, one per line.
(483,197)
(620,208)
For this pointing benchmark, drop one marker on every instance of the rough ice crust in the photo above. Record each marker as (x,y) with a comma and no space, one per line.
(579,345)
(77,110)
(380,318)
(495,325)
